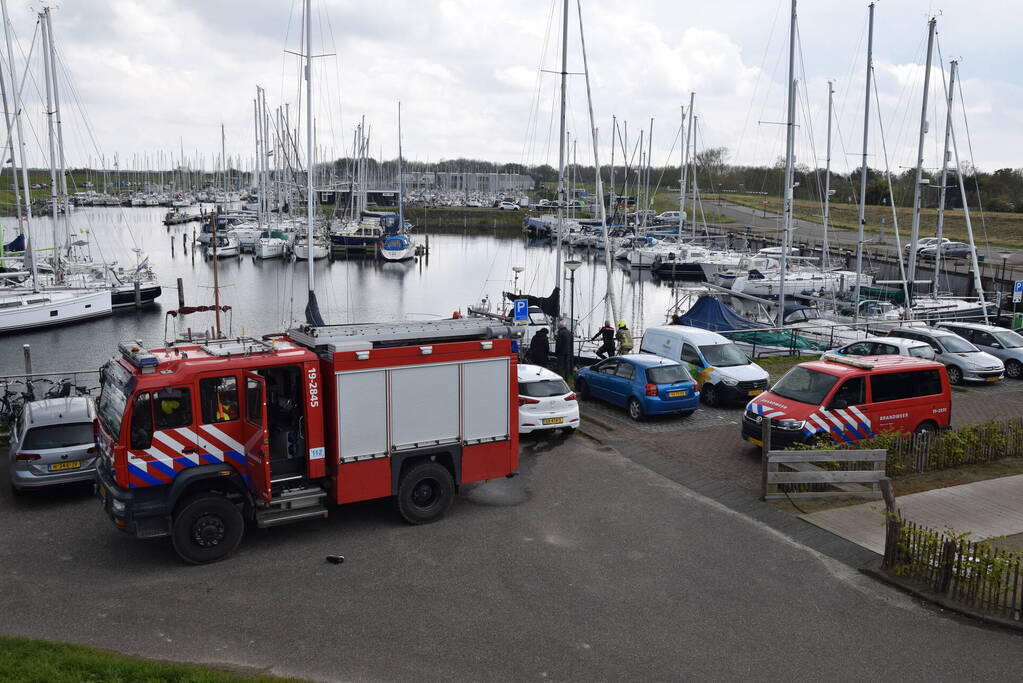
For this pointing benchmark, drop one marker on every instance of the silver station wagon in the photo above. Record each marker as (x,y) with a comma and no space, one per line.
(53,443)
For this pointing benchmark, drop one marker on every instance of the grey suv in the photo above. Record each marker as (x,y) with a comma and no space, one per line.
(963,360)
(53,443)
(1001,343)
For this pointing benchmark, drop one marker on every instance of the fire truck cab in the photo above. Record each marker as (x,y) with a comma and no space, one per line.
(198,439)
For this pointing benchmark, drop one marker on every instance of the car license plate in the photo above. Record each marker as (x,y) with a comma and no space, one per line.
(756,392)
(673,394)
(60,466)
(993,379)
(553,420)
(756,442)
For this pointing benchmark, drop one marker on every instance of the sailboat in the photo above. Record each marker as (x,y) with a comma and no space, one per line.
(395,243)
(37,307)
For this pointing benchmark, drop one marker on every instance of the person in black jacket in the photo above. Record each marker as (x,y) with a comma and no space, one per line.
(540,348)
(563,350)
(607,333)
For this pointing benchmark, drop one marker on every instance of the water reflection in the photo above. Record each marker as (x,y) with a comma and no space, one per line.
(267,296)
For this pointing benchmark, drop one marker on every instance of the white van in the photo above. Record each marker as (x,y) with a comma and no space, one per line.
(722,370)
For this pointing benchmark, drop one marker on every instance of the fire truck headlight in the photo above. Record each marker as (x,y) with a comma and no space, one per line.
(117,505)
(790,424)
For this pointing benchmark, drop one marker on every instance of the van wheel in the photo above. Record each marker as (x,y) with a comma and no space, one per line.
(635,410)
(955,375)
(425,493)
(926,427)
(1013,369)
(207,528)
(710,395)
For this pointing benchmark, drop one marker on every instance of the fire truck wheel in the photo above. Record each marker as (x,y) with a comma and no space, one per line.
(207,528)
(425,493)
(925,427)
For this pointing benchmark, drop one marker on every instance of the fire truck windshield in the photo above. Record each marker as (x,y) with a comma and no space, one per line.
(113,397)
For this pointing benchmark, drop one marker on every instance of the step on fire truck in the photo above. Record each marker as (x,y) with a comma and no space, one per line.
(199,439)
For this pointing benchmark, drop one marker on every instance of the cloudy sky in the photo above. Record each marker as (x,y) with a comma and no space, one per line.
(153,75)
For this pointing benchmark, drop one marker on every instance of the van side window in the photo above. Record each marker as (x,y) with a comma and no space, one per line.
(254,400)
(219,399)
(172,408)
(142,423)
(896,385)
(851,392)
(690,355)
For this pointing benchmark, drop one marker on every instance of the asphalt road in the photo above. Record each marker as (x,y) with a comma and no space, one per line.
(586,567)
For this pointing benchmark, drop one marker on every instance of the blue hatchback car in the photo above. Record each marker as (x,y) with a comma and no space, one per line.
(642,383)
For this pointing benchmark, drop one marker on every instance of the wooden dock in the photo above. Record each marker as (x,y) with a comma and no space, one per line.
(983,509)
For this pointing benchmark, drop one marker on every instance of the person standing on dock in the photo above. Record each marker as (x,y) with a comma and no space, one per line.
(624,338)
(607,334)
(563,350)
(540,348)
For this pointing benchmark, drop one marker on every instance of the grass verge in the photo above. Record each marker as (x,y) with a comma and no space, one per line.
(22,659)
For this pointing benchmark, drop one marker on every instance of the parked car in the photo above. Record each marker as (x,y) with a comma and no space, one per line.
(53,443)
(883,346)
(850,399)
(642,383)
(724,373)
(508,206)
(948,250)
(1001,343)
(669,217)
(545,401)
(965,362)
(925,243)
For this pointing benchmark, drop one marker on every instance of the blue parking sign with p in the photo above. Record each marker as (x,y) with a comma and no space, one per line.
(521,311)
(1017,292)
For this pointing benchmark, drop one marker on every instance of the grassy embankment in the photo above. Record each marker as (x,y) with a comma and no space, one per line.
(1001,229)
(37,660)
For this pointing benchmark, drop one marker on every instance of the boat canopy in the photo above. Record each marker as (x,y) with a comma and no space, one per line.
(711,313)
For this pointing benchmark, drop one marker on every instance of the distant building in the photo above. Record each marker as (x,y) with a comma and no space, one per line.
(469,182)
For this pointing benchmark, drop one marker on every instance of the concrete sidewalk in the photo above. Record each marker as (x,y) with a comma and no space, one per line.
(983,509)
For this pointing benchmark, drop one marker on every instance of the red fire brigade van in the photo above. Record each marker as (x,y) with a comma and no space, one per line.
(198,439)
(852,398)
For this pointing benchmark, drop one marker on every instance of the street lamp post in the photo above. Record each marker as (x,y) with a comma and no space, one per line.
(572,265)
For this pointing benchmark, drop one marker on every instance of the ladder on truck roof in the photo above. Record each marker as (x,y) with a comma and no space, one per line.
(378,335)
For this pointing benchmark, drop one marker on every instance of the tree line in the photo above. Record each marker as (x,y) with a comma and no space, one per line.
(1000,190)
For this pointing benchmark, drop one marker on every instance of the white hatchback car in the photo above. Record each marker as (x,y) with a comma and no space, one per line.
(545,401)
(884,346)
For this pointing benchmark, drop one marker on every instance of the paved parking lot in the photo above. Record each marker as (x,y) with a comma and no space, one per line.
(587,566)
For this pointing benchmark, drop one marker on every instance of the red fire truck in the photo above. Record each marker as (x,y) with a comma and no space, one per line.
(198,439)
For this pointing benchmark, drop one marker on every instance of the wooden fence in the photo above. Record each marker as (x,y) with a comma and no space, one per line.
(848,472)
(974,575)
(976,443)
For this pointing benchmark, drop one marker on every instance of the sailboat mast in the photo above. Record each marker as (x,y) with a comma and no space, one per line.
(861,223)
(258,179)
(562,200)
(827,182)
(54,191)
(977,282)
(685,166)
(61,165)
(599,188)
(401,182)
(914,235)
(16,100)
(789,147)
(944,175)
(310,160)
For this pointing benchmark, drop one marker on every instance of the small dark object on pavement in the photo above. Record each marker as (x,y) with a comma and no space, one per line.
(335,559)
